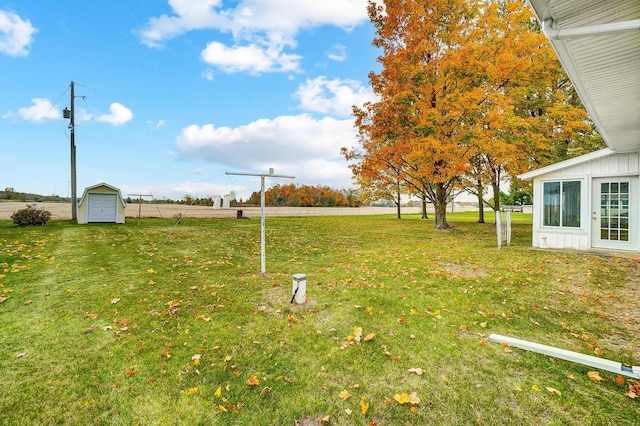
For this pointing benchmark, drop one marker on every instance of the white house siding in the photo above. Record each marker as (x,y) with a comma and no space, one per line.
(615,165)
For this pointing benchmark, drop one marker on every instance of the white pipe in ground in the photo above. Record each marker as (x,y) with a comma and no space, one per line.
(299,288)
(592,361)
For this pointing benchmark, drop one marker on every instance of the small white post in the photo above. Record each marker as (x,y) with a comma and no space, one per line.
(299,288)
(226,201)
(508,227)
(216,201)
(499,228)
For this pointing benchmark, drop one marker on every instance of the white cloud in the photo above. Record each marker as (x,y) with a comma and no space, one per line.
(261,29)
(42,109)
(118,115)
(335,97)
(252,58)
(337,53)
(208,74)
(16,34)
(158,124)
(307,147)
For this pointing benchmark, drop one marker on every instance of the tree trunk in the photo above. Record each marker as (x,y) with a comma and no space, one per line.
(440,205)
(398,203)
(496,197)
(480,192)
(424,208)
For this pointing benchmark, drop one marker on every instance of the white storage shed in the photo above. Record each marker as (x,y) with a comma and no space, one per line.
(101,203)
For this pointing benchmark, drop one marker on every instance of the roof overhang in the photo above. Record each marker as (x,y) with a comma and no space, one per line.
(566,163)
(598,45)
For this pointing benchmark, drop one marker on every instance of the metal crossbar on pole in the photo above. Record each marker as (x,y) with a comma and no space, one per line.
(263,262)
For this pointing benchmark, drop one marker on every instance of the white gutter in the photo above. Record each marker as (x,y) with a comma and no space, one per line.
(593,30)
(591,361)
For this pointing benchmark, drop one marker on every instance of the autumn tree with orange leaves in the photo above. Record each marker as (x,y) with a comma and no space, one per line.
(467,89)
(530,115)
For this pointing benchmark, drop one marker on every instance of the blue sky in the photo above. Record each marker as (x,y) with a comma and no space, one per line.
(177,92)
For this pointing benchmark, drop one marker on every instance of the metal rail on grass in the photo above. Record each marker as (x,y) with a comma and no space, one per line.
(592,361)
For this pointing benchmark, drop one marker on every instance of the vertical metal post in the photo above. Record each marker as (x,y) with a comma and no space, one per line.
(499,228)
(262,213)
(508,227)
(263,261)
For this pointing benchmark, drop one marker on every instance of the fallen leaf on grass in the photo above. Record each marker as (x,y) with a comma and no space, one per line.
(419,371)
(218,391)
(594,376)
(265,390)
(369,337)
(404,398)
(222,409)
(364,406)
(554,391)
(115,300)
(28,302)
(193,391)
(413,398)
(344,394)
(620,380)
(357,333)
(634,389)
(253,381)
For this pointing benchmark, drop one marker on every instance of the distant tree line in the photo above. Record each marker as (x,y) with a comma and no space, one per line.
(11,194)
(306,196)
(279,195)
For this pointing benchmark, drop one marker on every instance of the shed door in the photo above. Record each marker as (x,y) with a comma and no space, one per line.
(613,215)
(102,208)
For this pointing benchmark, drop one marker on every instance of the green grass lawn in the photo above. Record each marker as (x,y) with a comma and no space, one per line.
(156,324)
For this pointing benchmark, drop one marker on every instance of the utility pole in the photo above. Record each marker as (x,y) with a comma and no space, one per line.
(70,114)
(74,192)
(262,221)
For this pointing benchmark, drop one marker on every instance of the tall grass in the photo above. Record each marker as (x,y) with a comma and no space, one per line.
(155,324)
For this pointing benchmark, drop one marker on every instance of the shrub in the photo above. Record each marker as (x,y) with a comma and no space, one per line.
(31,216)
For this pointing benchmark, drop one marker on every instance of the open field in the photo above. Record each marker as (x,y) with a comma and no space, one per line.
(63,210)
(157,324)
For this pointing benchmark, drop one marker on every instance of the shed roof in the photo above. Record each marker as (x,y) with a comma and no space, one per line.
(113,188)
(598,44)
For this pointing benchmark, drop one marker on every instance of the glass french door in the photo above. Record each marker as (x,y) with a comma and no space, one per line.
(613,213)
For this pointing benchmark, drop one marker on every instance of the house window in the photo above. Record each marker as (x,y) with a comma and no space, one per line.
(562,204)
